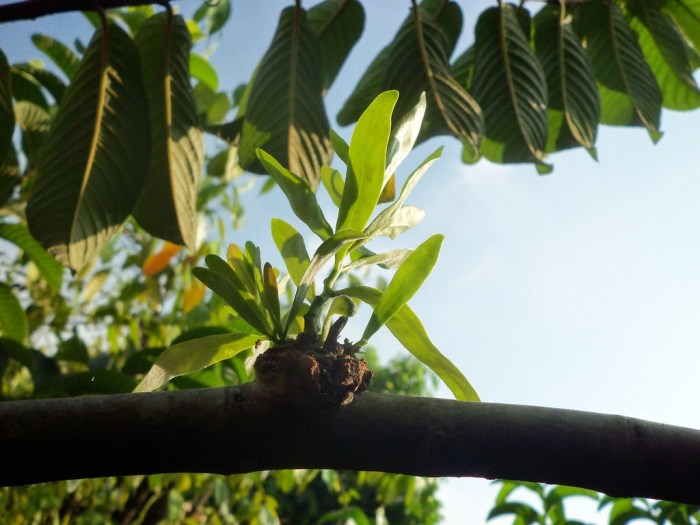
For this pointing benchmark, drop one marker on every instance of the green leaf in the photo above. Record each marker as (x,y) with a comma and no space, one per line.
(34,122)
(338,25)
(367,160)
(27,88)
(367,89)
(629,93)
(167,207)
(386,260)
(409,331)
(53,84)
(60,54)
(686,14)
(74,350)
(392,220)
(202,70)
(194,355)
(323,254)
(574,104)
(403,137)
(49,269)
(290,244)
(133,16)
(215,15)
(102,129)
(13,319)
(666,53)
(271,297)
(333,182)
(522,510)
(510,86)
(7,115)
(462,68)
(300,195)
(406,281)
(284,114)
(93,382)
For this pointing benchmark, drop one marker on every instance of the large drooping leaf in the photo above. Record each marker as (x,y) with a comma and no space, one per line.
(33,121)
(60,54)
(686,14)
(27,88)
(666,52)
(338,25)
(167,207)
(193,355)
(7,115)
(629,93)
(367,161)
(53,84)
(284,113)
(406,281)
(510,87)
(409,331)
(13,319)
(574,104)
(19,235)
(92,167)
(417,61)
(300,195)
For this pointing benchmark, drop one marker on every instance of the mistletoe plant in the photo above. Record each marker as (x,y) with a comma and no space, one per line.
(303,360)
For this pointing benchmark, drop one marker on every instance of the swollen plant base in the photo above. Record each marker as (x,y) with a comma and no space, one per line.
(302,372)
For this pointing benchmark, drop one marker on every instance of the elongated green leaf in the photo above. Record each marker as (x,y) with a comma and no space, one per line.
(7,115)
(629,93)
(338,25)
(340,147)
(409,331)
(290,244)
(60,54)
(686,14)
(246,303)
(574,104)
(462,68)
(49,269)
(333,182)
(13,319)
(194,355)
(386,260)
(323,254)
(367,160)
(403,137)
(27,88)
(406,281)
(34,122)
(510,86)
(367,89)
(284,114)
(238,261)
(167,207)
(666,53)
(300,195)
(386,222)
(271,297)
(53,84)
(215,15)
(92,166)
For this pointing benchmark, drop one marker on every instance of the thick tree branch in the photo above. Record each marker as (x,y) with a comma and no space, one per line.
(239,429)
(32,9)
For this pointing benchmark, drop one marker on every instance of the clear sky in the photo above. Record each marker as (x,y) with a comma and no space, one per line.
(580,289)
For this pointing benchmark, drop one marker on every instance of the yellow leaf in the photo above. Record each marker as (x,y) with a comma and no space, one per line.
(159,262)
(192,296)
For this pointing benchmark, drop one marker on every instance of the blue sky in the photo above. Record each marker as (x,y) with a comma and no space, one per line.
(579,290)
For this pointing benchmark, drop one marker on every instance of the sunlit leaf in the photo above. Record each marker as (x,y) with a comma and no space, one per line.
(92,166)
(409,331)
(403,137)
(13,319)
(574,104)
(19,235)
(387,260)
(629,93)
(510,87)
(271,297)
(666,53)
(60,54)
(338,25)
(284,113)
(156,263)
(34,122)
(386,222)
(300,195)
(686,14)
(167,207)
(406,281)
(202,70)
(290,244)
(194,355)
(367,160)
(192,296)
(333,182)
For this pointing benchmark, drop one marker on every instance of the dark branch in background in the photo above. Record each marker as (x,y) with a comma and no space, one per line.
(31,9)
(239,429)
